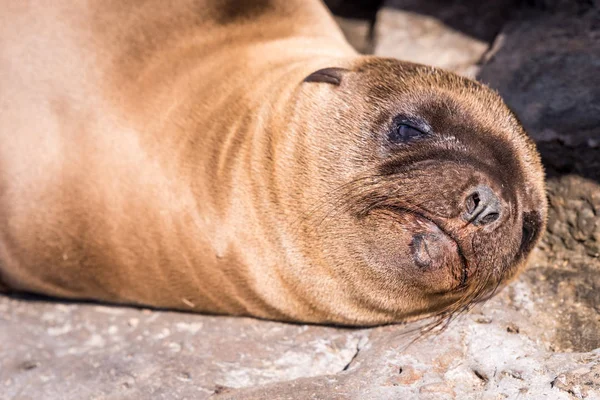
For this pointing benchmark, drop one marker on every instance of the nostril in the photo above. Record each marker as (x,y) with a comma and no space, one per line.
(482,206)
(489,218)
(472,202)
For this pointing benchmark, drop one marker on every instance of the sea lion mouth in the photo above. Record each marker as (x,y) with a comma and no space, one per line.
(434,248)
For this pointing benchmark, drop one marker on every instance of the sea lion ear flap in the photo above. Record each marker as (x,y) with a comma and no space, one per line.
(327,75)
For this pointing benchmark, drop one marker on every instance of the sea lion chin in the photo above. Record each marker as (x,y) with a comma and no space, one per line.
(274,174)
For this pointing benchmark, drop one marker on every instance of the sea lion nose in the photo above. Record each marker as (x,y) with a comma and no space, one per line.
(482,206)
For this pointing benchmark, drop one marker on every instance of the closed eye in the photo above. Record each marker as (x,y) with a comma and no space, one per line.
(404,133)
(404,130)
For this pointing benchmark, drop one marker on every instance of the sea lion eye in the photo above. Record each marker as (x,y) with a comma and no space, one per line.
(403,132)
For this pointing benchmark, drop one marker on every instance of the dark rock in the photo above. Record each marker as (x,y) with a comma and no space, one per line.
(354,9)
(576,7)
(546,68)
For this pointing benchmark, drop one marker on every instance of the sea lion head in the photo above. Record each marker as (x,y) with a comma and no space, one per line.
(429,195)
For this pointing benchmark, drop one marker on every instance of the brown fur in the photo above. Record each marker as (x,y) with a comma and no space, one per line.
(170,154)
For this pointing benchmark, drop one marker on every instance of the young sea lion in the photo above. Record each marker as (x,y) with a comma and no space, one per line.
(239,157)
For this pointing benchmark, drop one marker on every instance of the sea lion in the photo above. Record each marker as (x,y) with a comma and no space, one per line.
(239,157)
